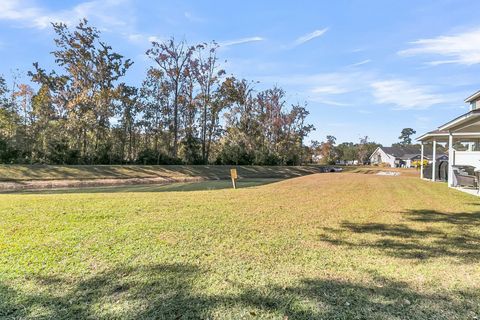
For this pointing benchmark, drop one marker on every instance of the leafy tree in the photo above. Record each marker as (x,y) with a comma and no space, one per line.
(128,110)
(85,94)
(43,121)
(261,127)
(405,136)
(156,115)
(347,151)
(327,150)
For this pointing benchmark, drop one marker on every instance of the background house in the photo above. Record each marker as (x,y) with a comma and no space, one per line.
(399,156)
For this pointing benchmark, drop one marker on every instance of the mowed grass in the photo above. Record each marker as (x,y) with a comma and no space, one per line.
(324,246)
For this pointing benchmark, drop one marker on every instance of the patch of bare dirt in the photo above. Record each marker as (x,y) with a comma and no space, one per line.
(54,184)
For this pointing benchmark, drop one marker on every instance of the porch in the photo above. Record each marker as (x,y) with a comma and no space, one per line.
(461,139)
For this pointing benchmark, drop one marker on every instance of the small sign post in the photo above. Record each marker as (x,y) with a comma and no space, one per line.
(234,176)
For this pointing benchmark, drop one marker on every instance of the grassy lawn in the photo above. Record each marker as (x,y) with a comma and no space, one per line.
(325,246)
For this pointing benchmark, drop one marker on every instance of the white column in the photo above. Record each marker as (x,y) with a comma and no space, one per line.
(434,158)
(421,161)
(450,159)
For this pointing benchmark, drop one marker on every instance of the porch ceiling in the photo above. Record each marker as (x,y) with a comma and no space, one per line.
(462,128)
(439,136)
(465,136)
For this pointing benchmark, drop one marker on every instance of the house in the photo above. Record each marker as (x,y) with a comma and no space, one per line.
(461,136)
(397,156)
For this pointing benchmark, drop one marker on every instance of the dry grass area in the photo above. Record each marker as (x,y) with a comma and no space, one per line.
(324,246)
(410,172)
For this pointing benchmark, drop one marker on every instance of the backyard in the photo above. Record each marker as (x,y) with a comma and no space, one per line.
(321,246)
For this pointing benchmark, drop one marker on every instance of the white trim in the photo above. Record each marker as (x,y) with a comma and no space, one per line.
(455,121)
(421,160)
(466,134)
(373,154)
(426,136)
(472,97)
(429,135)
(434,159)
(461,120)
(451,160)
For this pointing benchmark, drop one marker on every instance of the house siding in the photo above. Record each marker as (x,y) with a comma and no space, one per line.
(379,156)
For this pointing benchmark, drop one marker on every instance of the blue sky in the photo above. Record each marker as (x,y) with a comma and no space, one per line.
(364,67)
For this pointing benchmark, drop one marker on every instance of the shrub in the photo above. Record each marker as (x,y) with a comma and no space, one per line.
(417,163)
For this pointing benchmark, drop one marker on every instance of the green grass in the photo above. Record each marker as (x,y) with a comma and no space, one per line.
(45,172)
(327,246)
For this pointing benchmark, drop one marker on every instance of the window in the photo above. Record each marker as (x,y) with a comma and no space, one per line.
(473,105)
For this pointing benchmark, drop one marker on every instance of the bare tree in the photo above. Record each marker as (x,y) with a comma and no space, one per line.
(172,60)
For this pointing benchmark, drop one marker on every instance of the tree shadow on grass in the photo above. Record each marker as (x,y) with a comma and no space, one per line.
(429,234)
(155,292)
(174,292)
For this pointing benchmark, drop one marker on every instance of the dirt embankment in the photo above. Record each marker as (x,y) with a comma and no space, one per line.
(75,183)
(18,177)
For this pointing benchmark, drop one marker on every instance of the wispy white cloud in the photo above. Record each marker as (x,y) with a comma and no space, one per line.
(329,83)
(26,13)
(352,88)
(422,122)
(141,39)
(309,36)
(135,37)
(330,102)
(190,16)
(360,49)
(329,89)
(363,111)
(403,95)
(342,88)
(460,48)
(155,39)
(240,41)
(360,63)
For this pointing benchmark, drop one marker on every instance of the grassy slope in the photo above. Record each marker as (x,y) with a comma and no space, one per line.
(44,172)
(332,246)
(176,186)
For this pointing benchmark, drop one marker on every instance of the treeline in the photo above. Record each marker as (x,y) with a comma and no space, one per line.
(328,152)
(187,110)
